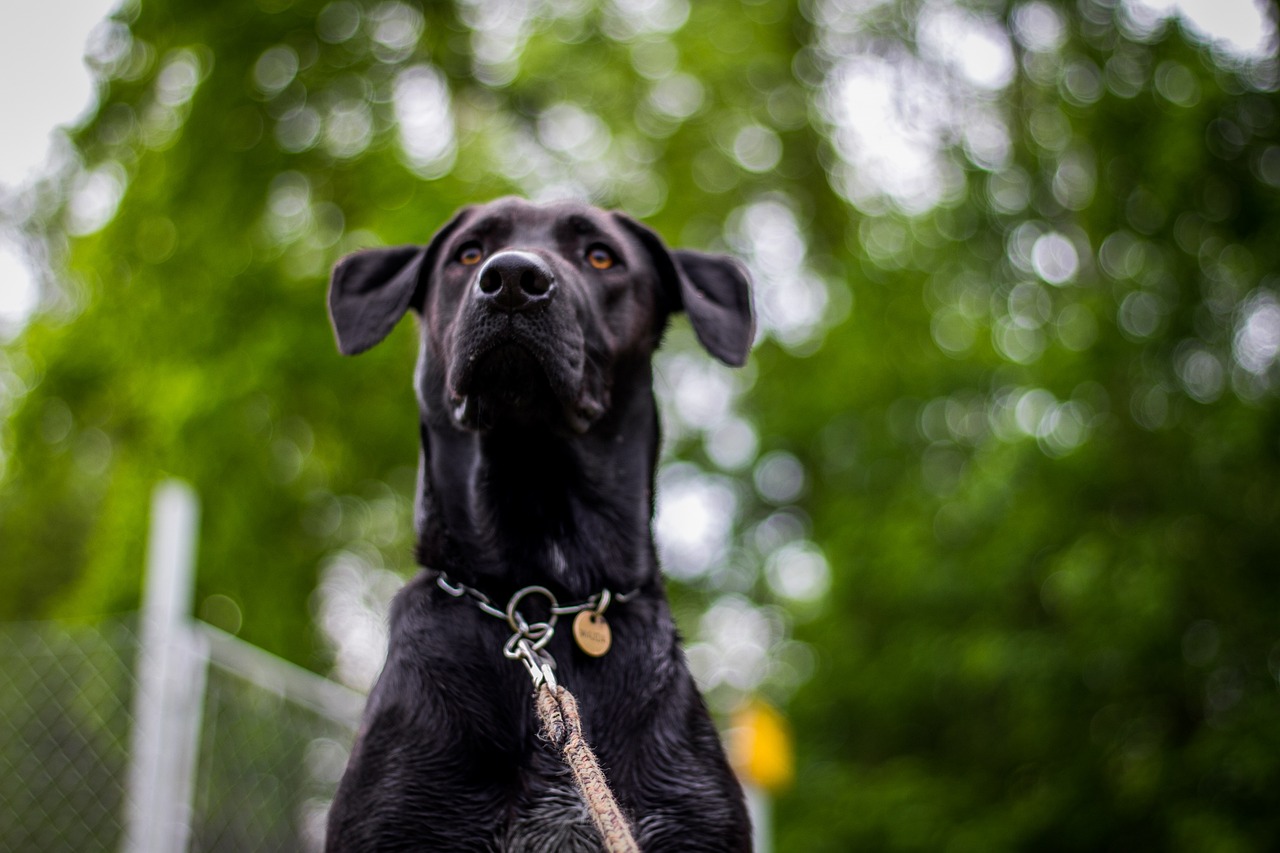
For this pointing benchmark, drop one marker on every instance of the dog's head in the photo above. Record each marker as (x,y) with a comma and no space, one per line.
(530,311)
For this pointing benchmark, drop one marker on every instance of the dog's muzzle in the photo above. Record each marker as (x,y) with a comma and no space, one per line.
(519,351)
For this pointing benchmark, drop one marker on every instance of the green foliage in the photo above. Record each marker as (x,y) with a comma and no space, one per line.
(1040,454)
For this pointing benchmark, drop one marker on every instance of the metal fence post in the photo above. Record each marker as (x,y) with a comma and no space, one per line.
(760,807)
(172,664)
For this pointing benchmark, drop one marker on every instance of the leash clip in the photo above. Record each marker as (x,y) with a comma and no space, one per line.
(527,643)
(541,666)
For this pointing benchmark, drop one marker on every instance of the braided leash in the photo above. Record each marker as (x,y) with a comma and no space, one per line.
(557,709)
(561,725)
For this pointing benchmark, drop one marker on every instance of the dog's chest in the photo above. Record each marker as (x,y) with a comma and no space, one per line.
(550,820)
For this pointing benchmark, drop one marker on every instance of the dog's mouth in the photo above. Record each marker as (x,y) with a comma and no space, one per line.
(513,377)
(506,380)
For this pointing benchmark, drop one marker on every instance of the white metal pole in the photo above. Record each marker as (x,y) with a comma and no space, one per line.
(760,808)
(171,671)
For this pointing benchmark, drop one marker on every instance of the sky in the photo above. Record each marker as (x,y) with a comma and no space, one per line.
(45,81)
(44,84)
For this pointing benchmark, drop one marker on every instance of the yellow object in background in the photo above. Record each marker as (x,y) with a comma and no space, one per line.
(760,746)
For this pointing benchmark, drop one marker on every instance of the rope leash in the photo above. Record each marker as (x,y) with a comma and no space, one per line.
(556,708)
(562,726)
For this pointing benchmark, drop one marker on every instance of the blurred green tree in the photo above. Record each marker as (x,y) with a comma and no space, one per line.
(994,512)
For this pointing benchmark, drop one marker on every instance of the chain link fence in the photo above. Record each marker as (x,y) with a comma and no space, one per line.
(272,744)
(65,694)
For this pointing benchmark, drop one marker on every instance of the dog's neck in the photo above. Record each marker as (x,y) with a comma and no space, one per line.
(528,504)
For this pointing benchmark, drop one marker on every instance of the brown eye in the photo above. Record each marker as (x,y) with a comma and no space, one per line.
(470,254)
(600,257)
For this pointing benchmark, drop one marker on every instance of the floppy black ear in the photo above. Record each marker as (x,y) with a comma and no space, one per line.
(714,290)
(715,293)
(369,292)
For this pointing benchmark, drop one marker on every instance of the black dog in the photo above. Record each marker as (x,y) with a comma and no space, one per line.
(539,440)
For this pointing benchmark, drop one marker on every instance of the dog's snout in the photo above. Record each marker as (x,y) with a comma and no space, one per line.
(515,281)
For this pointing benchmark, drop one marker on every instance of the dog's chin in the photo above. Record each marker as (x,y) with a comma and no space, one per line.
(509,386)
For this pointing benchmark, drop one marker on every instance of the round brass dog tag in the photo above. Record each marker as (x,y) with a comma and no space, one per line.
(592,633)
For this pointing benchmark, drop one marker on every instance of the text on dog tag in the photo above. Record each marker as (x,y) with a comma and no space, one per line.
(592,633)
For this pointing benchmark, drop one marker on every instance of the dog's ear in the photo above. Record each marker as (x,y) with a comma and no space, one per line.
(371,290)
(369,293)
(714,290)
(715,293)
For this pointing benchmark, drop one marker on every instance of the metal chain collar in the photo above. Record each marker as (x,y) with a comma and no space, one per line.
(529,639)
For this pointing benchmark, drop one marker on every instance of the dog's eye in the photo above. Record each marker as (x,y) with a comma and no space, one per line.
(600,257)
(470,254)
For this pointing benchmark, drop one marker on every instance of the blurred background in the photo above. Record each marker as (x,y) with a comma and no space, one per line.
(992,517)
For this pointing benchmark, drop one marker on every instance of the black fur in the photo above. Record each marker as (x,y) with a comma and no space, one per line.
(539,440)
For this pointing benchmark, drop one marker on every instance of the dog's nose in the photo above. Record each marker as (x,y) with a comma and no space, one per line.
(515,281)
